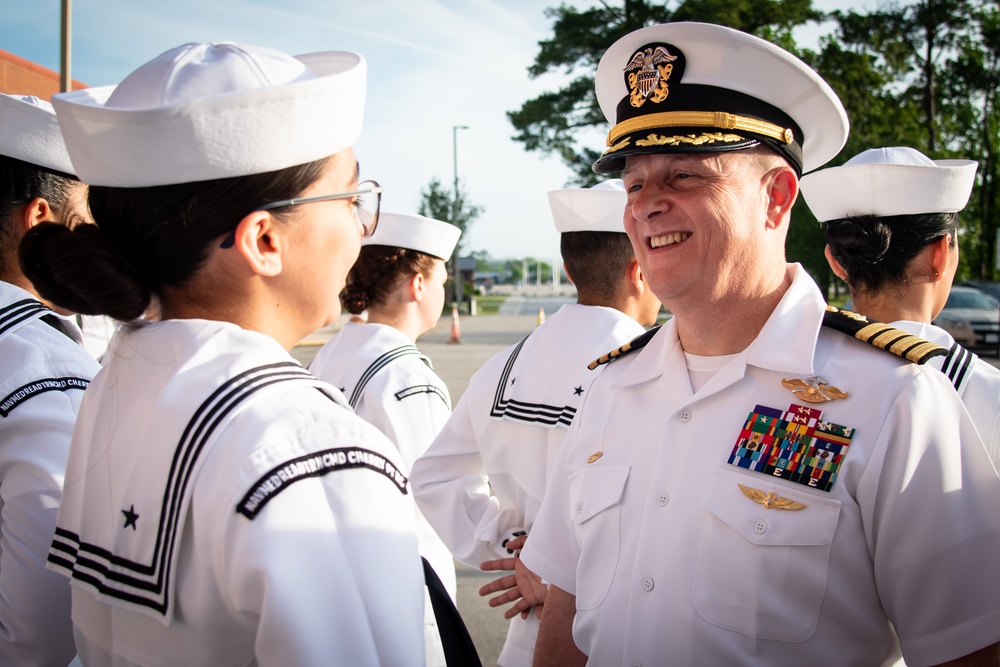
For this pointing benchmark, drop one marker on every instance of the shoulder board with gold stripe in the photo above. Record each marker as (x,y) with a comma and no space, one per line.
(633,345)
(890,339)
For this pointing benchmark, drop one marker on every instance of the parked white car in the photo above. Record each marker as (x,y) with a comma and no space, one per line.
(972,317)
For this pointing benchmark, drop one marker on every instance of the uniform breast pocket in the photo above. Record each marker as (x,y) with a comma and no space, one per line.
(763,572)
(595,497)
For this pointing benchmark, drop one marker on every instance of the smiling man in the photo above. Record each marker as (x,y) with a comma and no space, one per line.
(755,483)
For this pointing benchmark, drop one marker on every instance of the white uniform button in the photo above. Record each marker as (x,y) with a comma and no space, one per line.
(647,584)
(760,526)
(663,500)
(579,508)
(684,416)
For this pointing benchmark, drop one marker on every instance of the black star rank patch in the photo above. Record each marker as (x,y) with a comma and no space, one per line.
(578,391)
(130,517)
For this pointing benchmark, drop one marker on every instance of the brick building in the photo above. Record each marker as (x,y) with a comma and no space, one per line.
(23,77)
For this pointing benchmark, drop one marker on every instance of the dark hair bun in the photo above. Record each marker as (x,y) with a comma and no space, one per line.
(80,270)
(864,239)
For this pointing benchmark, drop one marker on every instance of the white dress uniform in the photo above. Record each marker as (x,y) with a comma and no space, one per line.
(743,525)
(977,382)
(44,374)
(392,386)
(483,479)
(224,507)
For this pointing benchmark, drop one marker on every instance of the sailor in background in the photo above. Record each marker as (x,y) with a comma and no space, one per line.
(223,506)
(891,219)
(399,280)
(43,372)
(750,485)
(482,480)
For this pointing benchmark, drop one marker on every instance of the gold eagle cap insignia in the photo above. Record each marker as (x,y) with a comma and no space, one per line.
(770,500)
(814,390)
(648,72)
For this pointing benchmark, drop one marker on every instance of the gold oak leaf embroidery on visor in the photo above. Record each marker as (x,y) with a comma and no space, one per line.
(770,500)
(620,145)
(692,139)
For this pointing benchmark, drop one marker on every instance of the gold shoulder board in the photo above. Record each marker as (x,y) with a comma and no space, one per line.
(633,345)
(910,347)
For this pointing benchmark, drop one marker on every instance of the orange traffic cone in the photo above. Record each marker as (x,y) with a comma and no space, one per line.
(541,316)
(456,336)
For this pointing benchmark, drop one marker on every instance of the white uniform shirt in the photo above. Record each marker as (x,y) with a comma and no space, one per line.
(672,562)
(43,376)
(223,507)
(977,382)
(393,387)
(483,478)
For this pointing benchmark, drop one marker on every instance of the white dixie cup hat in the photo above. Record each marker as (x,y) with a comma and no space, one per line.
(205,111)
(415,232)
(600,208)
(889,181)
(29,131)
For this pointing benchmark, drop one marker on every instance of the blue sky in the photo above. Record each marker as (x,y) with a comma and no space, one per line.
(433,64)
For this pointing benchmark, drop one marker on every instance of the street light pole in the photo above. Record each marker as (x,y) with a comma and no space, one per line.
(457,277)
(65,76)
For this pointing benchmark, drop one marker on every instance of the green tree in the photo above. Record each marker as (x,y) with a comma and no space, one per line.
(455,207)
(926,75)
(972,88)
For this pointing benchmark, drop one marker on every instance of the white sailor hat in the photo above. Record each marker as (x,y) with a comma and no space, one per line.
(29,131)
(889,181)
(206,111)
(415,232)
(597,209)
(702,88)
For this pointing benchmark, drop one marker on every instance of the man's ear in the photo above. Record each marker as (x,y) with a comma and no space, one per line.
(781,194)
(568,276)
(635,277)
(258,239)
(36,211)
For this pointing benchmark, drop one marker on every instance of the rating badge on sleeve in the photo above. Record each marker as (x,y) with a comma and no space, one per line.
(795,445)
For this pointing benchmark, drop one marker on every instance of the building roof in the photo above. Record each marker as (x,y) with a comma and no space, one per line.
(23,77)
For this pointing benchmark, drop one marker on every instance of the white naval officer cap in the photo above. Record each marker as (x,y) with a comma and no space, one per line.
(205,111)
(415,232)
(703,88)
(29,131)
(600,208)
(889,181)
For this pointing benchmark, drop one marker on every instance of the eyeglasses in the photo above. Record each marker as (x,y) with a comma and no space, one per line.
(367,199)
(365,207)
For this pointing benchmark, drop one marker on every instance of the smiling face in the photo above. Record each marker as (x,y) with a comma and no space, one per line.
(705,228)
